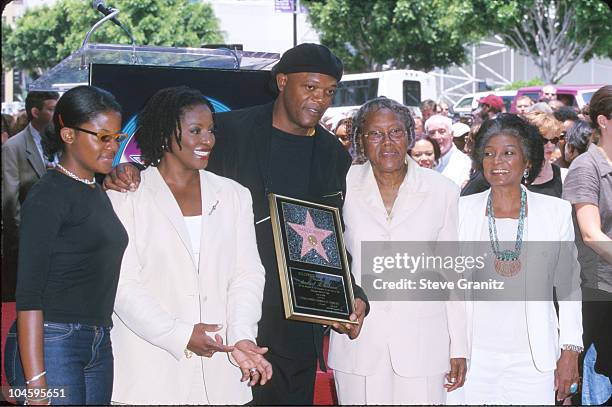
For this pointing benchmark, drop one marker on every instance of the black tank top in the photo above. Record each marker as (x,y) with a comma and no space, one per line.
(554,187)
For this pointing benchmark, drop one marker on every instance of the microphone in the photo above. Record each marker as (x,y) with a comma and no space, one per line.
(99,5)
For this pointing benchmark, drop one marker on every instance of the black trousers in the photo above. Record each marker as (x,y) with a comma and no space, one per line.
(597,325)
(292,382)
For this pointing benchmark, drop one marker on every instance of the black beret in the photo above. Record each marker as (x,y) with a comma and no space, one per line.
(309,58)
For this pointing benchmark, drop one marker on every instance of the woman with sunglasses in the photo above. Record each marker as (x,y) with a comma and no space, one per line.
(549,180)
(70,252)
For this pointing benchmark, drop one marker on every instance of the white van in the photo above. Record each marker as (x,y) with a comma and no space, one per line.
(404,86)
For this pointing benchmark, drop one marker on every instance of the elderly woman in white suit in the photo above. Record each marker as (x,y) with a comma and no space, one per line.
(406,350)
(520,352)
(191,284)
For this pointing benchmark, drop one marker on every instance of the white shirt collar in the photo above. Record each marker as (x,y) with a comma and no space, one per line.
(35,133)
(445,159)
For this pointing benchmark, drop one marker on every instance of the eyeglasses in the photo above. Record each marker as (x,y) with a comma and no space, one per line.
(376,136)
(553,140)
(104,137)
(549,94)
(441,132)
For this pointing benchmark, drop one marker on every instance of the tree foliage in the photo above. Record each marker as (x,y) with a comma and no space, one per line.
(44,36)
(523,84)
(555,34)
(424,34)
(367,34)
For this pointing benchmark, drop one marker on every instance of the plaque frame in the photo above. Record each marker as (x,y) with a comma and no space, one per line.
(286,265)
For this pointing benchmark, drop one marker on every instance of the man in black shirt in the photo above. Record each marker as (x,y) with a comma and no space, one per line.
(280,147)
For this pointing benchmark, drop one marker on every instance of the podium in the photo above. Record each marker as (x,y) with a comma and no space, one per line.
(229,79)
(75,69)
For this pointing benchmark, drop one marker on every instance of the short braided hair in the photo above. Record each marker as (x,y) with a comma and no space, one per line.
(160,120)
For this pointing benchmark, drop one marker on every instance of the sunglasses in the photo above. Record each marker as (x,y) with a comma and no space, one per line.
(104,137)
(553,140)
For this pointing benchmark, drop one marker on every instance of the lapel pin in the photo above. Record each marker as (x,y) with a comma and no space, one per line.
(213,208)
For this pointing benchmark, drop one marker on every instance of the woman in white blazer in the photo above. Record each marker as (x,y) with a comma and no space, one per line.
(406,349)
(520,352)
(191,283)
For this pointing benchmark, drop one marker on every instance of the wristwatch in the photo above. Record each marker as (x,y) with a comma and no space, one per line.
(573,348)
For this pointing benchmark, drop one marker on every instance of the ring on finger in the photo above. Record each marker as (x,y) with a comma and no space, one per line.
(573,388)
(253,370)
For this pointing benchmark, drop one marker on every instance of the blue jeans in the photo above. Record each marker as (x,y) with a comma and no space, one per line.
(78,361)
(596,388)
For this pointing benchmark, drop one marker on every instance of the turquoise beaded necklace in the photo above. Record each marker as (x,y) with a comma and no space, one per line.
(507,262)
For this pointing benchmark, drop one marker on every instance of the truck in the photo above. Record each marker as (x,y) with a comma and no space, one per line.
(402,85)
(577,96)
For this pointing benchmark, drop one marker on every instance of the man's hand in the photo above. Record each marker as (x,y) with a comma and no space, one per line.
(203,345)
(252,364)
(124,177)
(566,373)
(353,330)
(456,376)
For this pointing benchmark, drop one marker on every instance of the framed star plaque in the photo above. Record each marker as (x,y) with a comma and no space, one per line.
(312,264)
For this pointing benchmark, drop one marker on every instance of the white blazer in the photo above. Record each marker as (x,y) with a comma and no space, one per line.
(421,337)
(161,295)
(549,219)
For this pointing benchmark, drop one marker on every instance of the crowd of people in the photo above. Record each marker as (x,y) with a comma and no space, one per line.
(23,164)
(12,124)
(161,286)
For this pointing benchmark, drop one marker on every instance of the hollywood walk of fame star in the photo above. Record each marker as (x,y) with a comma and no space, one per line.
(311,236)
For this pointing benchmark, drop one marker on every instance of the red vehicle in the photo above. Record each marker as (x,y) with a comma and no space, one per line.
(571,95)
